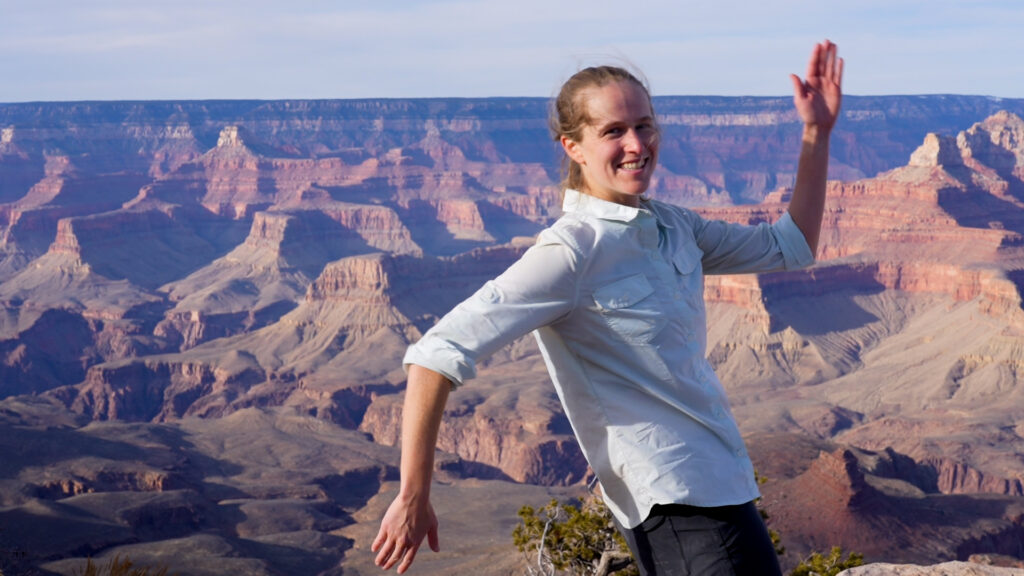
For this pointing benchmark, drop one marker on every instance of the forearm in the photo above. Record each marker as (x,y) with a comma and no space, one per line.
(808,203)
(410,516)
(425,397)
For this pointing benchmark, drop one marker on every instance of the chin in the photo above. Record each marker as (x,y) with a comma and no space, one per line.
(639,190)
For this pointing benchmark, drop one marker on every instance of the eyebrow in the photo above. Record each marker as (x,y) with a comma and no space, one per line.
(606,125)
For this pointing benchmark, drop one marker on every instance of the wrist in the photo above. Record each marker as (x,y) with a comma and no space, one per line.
(413,492)
(413,499)
(816,133)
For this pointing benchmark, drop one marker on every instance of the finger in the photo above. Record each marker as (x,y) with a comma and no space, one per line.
(395,556)
(828,46)
(832,61)
(813,63)
(828,60)
(385,552)
(410,554)
(839,73)
(822,59)
(432,539)
(379,540)
(391,553)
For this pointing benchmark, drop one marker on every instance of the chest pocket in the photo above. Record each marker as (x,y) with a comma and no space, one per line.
(631,309)
(687,259)
(689,279)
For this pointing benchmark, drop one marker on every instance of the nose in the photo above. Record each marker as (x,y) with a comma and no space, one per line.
(633,142)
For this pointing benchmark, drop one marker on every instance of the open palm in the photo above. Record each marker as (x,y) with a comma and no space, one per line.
(817,97)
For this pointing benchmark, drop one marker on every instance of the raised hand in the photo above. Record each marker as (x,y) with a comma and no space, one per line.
(817,97)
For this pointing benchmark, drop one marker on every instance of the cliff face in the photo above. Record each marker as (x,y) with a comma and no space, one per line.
(959,478)
(146,248)
(851,496)
(158,391)
(52,350)
(536,448)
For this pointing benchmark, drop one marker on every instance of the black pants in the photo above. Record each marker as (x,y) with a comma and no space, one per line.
(680,540)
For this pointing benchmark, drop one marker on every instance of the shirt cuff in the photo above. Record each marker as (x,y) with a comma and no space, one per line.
(441,357)
(795,251)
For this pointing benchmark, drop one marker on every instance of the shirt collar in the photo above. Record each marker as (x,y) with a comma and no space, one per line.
(581,203)
(575,201)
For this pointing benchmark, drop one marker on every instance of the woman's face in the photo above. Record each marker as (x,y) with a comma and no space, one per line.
(619,147)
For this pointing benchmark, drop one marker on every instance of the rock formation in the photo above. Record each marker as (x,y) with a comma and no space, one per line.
(944,569)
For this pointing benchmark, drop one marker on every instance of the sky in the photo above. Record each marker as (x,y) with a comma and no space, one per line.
(60,50)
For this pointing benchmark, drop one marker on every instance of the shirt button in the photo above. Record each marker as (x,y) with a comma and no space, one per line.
(678,296)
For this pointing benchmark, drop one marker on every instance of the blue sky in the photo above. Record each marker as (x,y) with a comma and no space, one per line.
(197,49)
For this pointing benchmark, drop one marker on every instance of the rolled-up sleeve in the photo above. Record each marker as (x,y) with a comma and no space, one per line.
(734,248)
(536,291)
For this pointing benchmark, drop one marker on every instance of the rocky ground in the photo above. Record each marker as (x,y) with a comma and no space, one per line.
(944,569)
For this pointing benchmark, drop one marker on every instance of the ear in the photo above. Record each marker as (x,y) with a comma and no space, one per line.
(572,150)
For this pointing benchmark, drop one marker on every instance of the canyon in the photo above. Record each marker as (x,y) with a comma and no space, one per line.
(204,306)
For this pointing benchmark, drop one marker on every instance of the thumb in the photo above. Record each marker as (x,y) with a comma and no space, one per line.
(432,539)
(798,87)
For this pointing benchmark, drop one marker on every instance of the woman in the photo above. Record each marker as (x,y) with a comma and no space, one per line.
(613,291)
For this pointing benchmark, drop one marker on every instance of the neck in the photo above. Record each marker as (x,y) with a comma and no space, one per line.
(630,200)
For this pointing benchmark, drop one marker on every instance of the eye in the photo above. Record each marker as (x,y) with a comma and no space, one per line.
(614,131)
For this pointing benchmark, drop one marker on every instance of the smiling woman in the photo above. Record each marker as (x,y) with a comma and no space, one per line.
(613,293)
(616,149)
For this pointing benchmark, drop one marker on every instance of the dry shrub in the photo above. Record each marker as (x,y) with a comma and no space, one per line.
(118,567)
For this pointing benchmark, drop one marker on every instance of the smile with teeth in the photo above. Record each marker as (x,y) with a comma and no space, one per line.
(634,165)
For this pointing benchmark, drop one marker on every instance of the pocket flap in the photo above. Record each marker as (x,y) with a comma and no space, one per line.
(686,260)
(623,293)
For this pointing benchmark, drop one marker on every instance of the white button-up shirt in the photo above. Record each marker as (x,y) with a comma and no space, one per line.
(615,297)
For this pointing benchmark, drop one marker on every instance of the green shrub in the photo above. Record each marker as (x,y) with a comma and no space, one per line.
(818,565)
(773,534)
(577,539)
